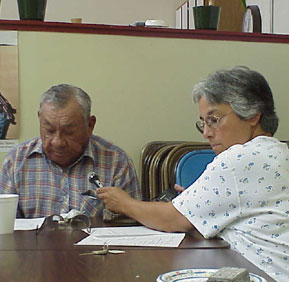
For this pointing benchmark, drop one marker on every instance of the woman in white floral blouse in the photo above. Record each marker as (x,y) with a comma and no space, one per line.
(243,195)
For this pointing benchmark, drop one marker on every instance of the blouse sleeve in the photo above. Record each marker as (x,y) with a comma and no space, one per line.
(211,203)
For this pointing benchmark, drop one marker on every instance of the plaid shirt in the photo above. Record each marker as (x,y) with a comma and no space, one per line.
(44,188)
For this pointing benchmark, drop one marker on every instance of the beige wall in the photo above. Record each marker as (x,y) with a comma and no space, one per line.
(122,12)
(140,86)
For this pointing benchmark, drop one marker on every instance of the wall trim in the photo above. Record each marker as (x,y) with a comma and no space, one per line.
(140,31)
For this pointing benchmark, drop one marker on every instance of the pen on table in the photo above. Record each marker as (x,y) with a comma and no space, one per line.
(92,178)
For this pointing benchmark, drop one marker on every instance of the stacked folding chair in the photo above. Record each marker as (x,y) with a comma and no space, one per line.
(152,156)
(159,160)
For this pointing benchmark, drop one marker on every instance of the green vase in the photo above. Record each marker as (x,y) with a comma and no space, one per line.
(206,17)
(32,9)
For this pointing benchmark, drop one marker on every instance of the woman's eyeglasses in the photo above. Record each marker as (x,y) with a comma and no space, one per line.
(56,221)
(211,121)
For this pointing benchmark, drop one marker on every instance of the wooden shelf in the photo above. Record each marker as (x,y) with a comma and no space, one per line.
(140,31)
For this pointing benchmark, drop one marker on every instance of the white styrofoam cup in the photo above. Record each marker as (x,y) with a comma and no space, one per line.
(8,207)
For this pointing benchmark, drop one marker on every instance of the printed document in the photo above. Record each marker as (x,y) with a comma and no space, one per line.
(132,236)
(28,224)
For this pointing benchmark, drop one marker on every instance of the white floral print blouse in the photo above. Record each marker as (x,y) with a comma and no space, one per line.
(243,197)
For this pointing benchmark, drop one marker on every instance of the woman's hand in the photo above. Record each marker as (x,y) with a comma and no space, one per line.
(114,198)
(157,215)
(179,188)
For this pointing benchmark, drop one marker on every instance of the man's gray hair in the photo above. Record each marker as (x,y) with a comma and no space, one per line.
(60,95)
(245,90)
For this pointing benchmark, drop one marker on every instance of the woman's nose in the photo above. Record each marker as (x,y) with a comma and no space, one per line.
(208,132)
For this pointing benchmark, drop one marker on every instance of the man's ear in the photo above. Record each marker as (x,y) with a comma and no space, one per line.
(91,123)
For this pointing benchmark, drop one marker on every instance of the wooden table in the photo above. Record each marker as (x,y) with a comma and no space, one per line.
(52,256)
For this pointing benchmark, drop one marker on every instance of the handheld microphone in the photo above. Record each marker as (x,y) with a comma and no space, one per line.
(93,178)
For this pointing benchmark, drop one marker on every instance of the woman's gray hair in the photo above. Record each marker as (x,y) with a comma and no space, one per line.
(245,90)
(60,95)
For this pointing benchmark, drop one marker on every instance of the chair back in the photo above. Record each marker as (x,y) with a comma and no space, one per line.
(192,165)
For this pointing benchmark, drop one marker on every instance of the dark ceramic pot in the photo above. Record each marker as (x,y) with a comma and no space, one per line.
(32,9)
(206,17)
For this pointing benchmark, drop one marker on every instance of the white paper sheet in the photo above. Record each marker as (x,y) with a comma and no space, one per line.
(132,236)
(28,224)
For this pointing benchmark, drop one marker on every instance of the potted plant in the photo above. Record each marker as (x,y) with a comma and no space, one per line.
(244,4)
(32,9)
(207,16)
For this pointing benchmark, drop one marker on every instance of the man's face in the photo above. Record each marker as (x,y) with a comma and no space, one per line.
(231,129)
(64,132)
